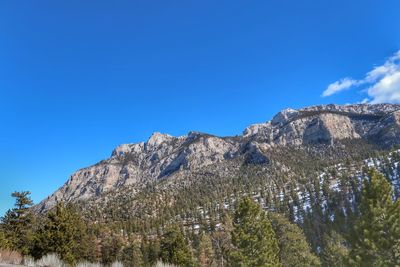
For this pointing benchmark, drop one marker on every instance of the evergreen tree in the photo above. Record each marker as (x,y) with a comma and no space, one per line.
(132,255)
(293,246)
(253,239)
(150,251)
(110,245)
(174,248)
(206,252)
(18,223)
(335,251)
(222,240)
(4,244)
(63,232)
(376,240)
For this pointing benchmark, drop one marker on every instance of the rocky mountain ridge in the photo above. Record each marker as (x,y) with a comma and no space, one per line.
(164,157)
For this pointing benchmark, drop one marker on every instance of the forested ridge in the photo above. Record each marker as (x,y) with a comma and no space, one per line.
(322,212)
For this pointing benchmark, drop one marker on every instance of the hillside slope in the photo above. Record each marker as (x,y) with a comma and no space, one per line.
(315,135)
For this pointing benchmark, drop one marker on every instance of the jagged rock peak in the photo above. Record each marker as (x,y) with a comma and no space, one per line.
(127,149)
(284,116)
(194,134)
(355,108)
(158,138)
(167,157)
(289,126)
(256,128)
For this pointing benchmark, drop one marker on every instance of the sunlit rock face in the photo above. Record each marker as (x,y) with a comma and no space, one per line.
(164,156)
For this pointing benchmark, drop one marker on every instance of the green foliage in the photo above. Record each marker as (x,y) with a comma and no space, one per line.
(335,250)
(132,255)
(174,248)
(150,251)
(4,243)
(132,228)
(110,245)
(253,239)
(222,241)
(376,240)
(63,232)
(205,251)
(17,224)
(293,246)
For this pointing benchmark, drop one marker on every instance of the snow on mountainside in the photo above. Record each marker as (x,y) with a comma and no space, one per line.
(165,157)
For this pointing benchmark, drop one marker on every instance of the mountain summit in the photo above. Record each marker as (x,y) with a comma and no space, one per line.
(167,158)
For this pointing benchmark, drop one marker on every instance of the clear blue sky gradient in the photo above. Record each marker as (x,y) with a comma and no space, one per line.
(77,78)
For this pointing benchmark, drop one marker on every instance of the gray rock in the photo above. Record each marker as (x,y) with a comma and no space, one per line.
(166,157)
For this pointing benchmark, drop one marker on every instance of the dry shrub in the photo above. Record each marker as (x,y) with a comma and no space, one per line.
(88,264)
(10,257)
(161,264)
(29,261)
(50,260)
(117,264)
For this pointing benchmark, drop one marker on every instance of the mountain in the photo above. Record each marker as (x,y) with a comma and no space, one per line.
(293,137)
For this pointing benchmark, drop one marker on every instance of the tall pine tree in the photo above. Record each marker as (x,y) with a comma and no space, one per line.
(335,250)
(18,222)
(63,232)
(253,238)
(174,248)
(376,240)
(205,250)
(294,248)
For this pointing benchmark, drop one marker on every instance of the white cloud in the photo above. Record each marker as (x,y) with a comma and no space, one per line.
(382,82)
(389,67)
(339,86)
(387,90)
(379,72)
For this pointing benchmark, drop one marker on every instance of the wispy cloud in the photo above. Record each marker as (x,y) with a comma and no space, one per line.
(339,86)
(382,83)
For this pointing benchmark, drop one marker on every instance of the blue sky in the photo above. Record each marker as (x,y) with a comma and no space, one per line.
(77,78)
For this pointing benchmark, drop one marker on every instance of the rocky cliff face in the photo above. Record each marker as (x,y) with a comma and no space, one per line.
(164,157)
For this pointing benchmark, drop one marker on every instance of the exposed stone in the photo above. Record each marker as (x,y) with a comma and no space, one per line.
(284,116)
(157,139)
(164,156)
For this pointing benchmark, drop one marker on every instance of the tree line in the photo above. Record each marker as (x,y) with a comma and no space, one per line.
(244,236)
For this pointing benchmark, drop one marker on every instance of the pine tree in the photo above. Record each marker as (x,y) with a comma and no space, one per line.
(174,248)
(206,252)
(335,250)
(150,251)
(132,255)
(376,241)
(63,232)
(221,240)
(293,246)
(110,245)
(253,239)
(4,243)
(18,223)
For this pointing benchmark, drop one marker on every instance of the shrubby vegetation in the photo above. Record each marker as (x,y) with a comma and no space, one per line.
(341,221)
(376,238)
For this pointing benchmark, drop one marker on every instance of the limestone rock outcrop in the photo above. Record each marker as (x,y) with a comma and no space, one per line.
(166,157)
